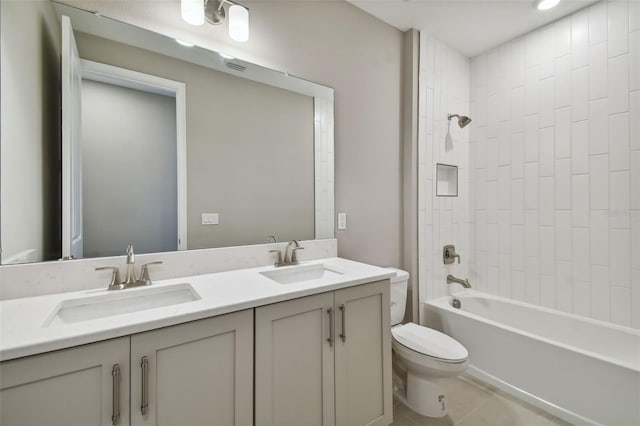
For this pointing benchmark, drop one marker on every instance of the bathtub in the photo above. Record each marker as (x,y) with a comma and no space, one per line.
(581,370)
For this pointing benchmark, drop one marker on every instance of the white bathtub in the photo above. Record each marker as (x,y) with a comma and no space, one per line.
(582,370)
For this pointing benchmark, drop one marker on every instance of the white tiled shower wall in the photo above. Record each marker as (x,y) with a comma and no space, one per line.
(555,166)
(444,88)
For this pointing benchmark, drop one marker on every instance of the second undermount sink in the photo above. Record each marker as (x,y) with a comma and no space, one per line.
(301,273)
(120,302)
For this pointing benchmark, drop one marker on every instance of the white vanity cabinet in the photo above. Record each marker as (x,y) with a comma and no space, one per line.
(311,359)
(363,355)
(198,373)
(295,362)
(84,386)
(325,359)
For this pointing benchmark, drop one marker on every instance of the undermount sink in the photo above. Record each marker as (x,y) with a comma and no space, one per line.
(301,273)
(120,302)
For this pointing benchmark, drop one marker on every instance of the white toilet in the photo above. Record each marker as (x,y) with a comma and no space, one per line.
(421,357)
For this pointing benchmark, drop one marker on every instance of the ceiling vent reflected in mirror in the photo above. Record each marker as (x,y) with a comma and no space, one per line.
(235,66)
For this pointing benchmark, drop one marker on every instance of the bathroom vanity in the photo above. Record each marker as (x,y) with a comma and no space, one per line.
(299,345)
(305,344)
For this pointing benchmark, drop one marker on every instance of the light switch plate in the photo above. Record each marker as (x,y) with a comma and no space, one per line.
(342,221)
(210,218)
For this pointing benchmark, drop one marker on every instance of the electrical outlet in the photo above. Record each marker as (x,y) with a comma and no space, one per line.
(342,221)
(210,218)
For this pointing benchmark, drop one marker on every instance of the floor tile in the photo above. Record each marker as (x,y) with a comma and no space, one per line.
(475,403)
(498,411)
(465,398)
(401,415)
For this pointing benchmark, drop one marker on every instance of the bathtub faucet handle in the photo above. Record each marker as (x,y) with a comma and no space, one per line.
(449,254)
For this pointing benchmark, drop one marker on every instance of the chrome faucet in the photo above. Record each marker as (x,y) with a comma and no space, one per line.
(464,283)
(292,259)
(130,279)
(290,256)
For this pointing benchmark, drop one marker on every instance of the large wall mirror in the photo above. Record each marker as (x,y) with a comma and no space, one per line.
(114,135)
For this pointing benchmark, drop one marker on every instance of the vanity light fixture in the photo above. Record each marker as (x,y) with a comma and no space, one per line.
(192,11)
(238,23)
(545,4)
(214,13)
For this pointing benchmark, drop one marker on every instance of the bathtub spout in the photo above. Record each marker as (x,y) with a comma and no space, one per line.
(464,283)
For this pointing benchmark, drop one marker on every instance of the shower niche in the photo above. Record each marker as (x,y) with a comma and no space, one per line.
(446,180)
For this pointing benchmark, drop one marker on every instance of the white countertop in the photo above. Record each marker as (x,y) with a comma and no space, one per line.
(23,329)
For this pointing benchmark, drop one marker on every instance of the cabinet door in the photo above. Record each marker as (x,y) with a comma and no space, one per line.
(294,363)
(363,355)
(198,373)
(68,387)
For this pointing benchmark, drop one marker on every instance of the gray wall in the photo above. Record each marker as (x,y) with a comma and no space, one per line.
(128,170)
(336,44)
(30,139)
(249,149)
(361,58)
(410,167)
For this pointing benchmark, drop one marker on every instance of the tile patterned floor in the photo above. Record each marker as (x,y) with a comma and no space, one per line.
(473,403)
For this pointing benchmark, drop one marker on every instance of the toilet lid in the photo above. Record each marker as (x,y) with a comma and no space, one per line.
(429,342)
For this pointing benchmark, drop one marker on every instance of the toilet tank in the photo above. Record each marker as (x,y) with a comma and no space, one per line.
(398,295)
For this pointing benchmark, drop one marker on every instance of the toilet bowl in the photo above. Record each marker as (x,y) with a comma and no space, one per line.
(422,357)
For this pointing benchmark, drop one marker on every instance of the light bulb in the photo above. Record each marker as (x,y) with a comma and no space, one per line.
(238,23)
(192,11)
(546,4)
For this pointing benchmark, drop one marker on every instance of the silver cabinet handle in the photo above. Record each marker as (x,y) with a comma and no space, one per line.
(330,339)
(115,413)
(343,335)
(144,406)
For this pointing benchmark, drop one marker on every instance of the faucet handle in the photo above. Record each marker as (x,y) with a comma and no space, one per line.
(115,276)
(288,257)
(279,261)
(449,254)
(144,272)
(294,257)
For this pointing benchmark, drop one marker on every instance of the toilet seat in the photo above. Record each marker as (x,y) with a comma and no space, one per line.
(430,343)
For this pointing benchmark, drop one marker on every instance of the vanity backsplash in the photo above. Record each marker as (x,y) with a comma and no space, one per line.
(36,279)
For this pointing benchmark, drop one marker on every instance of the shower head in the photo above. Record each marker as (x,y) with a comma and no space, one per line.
(463,120)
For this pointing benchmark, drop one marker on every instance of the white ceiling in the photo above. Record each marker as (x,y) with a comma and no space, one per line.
(470,26)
